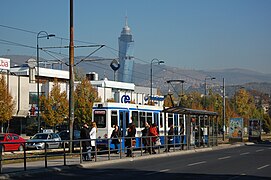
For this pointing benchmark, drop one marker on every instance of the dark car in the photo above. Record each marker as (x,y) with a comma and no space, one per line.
(14,142)
(65,135)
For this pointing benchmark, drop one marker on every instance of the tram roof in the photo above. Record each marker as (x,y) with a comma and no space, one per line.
(183,110)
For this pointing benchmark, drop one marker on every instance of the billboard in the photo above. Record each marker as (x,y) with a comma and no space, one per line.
(5,63)
(236,129)
(254,130)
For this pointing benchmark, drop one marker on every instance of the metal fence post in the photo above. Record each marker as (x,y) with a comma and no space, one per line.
(64,152)
(45,152)
(108,145)
(25,156)
(81,160)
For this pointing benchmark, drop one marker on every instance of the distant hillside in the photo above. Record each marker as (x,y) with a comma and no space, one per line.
(162,73)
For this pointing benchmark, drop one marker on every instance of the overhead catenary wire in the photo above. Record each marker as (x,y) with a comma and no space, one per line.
(61,38)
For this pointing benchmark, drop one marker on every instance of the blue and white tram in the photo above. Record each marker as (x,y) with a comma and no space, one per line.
(108,114)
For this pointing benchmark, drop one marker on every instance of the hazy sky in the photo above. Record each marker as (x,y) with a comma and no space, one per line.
(191,34)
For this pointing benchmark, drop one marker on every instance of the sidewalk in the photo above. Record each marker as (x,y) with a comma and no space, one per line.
(17,169)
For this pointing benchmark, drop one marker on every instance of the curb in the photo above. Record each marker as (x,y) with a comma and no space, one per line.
(32,172)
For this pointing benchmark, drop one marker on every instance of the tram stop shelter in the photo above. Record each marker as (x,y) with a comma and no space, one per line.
(201,126)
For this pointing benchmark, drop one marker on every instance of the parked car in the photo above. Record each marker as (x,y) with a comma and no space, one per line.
(16,140)
(38,141)
(65,135)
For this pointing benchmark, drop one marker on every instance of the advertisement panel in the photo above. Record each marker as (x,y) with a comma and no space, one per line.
(236,129)
(5,63)
(254,130)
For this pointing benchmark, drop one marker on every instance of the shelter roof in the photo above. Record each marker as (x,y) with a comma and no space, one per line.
(183,110)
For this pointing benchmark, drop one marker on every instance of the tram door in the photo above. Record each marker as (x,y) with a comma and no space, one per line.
(123,122)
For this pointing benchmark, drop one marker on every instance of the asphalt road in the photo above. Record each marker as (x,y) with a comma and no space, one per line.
(244,162)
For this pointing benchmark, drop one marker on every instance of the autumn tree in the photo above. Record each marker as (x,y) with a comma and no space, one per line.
(54,106)
(244,104)
(7,104)
(85,95)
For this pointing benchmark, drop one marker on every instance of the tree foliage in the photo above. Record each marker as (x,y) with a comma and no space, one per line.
(7,105)
(55,106)
(85,95)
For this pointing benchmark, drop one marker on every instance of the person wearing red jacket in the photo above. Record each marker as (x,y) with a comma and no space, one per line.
(153,132)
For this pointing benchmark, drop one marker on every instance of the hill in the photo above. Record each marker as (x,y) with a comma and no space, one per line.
(194,79)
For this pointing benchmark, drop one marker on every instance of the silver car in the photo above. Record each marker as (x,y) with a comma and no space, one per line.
(39,140)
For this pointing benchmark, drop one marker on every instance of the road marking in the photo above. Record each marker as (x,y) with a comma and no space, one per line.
(269,148)
(244,153)
(226,157)
(263,166)
(201,162)
(259,150)
(164,170)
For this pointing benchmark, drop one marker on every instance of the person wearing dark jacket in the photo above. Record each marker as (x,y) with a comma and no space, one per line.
(145,139)
(130,139)
(115,136)
(169,138)
(84,135)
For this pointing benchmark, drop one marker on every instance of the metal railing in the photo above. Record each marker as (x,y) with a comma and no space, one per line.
(100,154)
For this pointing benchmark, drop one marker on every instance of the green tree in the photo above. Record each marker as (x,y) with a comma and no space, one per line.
(54,106)
(7,104)
(85,96)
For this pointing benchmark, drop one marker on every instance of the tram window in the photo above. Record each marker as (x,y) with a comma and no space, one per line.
(135,118)
(114,118)
(149,118)
(181,119)
(161,120)
(156,119)
(100,118)
(142,119)
(170,119)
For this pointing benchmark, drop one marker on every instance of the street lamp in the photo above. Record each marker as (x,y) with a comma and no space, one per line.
(41,34)
(205,93)
(158,62)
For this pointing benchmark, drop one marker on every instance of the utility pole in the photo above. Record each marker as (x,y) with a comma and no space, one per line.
(224,110)
(71,80)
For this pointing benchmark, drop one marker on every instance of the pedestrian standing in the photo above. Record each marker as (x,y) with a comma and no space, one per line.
(145,139)
(84,135)
(154,135)
(92,135)
(130,139)
(115,136)
(169,138)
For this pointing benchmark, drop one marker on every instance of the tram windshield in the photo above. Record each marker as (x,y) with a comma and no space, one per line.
(100,118)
